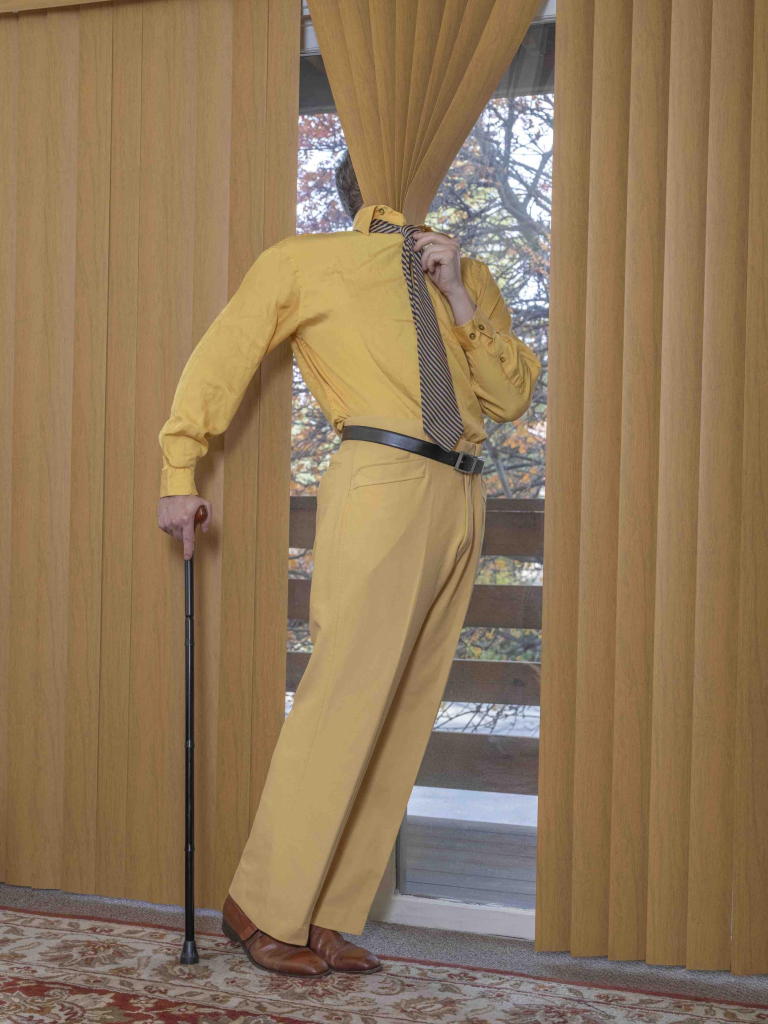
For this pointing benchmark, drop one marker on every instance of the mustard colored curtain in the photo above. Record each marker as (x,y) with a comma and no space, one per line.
(653,811)
(148,153)
(410,79)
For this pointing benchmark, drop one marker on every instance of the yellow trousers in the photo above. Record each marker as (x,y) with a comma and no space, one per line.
(396,550)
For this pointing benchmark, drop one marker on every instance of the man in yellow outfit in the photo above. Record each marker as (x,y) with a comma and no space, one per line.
(405,345)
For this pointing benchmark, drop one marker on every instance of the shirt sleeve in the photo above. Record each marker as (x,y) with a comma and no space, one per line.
(262,312)
(504,370)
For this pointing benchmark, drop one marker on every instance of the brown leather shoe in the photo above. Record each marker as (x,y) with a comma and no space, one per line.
(340,953)
(266,952)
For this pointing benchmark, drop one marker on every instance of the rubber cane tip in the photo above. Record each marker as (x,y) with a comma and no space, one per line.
(201,515)
(189,953)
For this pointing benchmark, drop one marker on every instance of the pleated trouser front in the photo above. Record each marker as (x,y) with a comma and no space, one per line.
(396,551)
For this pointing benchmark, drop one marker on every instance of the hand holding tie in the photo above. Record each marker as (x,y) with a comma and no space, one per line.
(441,262)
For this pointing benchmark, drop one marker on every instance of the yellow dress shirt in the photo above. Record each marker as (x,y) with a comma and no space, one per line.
(343,301)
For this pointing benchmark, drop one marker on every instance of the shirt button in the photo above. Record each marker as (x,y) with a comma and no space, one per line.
(502,358)
(472,336)
(379,209)
(482,328)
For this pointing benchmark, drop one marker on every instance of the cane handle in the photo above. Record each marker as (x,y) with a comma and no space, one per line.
(201,515)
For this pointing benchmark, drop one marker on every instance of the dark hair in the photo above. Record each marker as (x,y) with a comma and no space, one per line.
(346,184)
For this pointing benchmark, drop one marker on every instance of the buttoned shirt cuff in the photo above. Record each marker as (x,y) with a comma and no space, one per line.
(479,333)
(475,333)
(176,481)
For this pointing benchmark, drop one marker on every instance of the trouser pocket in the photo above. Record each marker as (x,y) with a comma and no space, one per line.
(381,469)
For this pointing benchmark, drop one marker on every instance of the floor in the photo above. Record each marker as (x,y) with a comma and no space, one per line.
(432,944)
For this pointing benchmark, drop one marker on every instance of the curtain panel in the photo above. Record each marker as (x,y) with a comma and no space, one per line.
(148,153)
(409,80)
(653,813)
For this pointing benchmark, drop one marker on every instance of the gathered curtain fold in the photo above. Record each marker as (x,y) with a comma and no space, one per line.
(653,780)
(409,80)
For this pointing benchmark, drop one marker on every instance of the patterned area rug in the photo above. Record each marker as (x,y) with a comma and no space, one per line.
(75,970)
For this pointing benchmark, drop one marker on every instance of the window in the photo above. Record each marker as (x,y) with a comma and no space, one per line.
(470,830)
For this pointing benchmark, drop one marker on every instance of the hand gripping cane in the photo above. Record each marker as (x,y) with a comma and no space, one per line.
(189,949)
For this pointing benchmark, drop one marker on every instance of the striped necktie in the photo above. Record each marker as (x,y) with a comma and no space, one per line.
(439,409)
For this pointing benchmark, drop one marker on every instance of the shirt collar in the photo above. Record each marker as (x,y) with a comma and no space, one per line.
(365,215)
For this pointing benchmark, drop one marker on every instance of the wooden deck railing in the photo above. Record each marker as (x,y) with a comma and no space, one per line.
(456,760)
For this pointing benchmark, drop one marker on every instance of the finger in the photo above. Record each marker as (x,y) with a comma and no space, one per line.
(428,251)
(433,256)
(209,517)
(188,537)
(422,238)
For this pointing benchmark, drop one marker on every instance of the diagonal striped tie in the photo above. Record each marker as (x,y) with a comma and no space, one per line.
(439,409)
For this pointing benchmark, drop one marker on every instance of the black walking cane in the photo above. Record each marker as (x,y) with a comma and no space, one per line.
(189,949)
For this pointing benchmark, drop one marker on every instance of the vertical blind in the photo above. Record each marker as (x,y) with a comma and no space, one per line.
(148,153)
(653,826)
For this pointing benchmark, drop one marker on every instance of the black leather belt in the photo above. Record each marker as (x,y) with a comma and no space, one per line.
(464,462)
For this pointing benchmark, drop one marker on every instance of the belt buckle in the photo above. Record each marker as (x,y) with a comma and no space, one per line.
(459,464)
